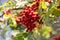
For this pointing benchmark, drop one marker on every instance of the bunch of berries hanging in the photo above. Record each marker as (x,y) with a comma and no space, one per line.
(28,16)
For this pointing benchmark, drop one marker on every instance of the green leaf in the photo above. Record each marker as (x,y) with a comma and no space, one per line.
(1,7)
(25,35)
(18,37)
(49,12)
(55,11)
(11,24)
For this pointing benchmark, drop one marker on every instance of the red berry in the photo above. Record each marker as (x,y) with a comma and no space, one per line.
(8,11)
(58,6)
(57,38)
(49,1)
(18,21)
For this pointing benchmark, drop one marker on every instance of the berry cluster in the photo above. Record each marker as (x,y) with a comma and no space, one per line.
(28,16)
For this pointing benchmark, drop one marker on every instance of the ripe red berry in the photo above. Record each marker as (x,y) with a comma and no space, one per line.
(35,6)
(57,38)
(58,6)
(8,11)
(18,21)
(49,1)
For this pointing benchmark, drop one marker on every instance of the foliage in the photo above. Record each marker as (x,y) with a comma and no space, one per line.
(33,19)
